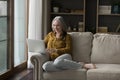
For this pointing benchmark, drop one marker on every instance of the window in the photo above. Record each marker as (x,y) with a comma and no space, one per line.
(19,32)
(3,36)
(13,33)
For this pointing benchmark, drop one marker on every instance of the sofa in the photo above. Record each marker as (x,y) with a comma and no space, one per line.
(102,49)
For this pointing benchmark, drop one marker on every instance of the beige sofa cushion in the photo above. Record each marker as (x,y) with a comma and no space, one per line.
(106,49)
(81,45)
(78,74)
(104,72)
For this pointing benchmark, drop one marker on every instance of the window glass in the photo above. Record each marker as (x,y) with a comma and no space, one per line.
(3,37)
(19,31)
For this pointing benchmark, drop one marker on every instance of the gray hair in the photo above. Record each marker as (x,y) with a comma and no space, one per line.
(60,18)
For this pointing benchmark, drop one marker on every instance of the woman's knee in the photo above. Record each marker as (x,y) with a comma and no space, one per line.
(67,56)
(64,56)
(58,63)
(49,66)
(46,65)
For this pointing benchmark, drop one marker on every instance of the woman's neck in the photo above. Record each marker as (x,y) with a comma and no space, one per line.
(58,35)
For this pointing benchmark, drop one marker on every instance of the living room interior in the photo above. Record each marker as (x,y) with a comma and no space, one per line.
(31,19)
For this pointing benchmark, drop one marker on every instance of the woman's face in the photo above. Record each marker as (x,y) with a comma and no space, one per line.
(56,26)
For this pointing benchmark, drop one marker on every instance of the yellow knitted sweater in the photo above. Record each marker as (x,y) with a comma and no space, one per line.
(63,45)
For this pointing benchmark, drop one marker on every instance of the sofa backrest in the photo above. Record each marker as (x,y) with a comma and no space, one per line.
(106,49)
(81,45)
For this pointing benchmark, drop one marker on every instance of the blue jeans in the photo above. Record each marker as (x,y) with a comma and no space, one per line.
(63,62)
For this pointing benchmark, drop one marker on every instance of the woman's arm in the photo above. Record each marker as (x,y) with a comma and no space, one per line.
(68,47)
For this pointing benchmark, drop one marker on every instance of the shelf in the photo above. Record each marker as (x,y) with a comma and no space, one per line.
(106,20)
(109,14)
(72,14)
(68,13)
(89,14)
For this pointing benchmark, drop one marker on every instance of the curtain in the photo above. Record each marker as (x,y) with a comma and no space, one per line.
(35,19)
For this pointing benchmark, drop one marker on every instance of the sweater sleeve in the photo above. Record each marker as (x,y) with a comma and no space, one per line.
(46,39)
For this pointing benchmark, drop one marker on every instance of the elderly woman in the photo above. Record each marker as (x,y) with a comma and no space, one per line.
(58,44)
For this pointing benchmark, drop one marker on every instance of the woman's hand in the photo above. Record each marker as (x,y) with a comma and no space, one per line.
(52,53)
(52,50)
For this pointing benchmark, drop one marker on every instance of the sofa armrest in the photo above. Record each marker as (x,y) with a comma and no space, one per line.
(37,60)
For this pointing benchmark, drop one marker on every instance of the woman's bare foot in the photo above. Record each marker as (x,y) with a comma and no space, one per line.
(89,66)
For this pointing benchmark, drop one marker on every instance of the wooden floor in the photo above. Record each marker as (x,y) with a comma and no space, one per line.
(24,75)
